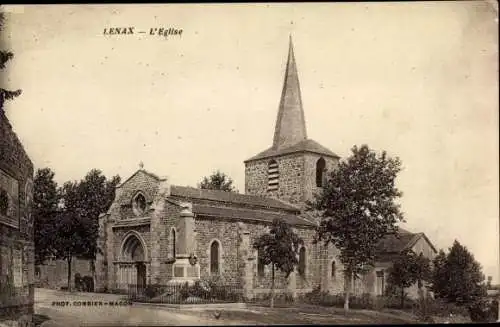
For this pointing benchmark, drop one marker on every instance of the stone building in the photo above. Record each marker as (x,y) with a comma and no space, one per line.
(16,229)
(153,231)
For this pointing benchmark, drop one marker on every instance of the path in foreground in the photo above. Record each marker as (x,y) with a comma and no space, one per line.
(127,315)
(123,315)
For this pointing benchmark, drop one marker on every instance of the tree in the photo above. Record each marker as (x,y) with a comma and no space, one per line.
(423,272)
(86,200)
(358,209)
(45,202)
(408,269)
(439,274)
(458,277)
(5,56)
(82,203)
(279,248)
(218,181)
(71,238)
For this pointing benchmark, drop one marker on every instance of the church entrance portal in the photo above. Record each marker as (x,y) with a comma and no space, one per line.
(132,266)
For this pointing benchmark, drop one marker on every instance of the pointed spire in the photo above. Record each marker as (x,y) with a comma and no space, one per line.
(290,124)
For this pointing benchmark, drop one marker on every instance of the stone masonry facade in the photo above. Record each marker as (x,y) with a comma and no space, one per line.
(238,259)
(16,229)
(297,176)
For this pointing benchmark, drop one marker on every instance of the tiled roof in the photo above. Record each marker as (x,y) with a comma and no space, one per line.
(230,197)
(248,214)
(395,243)
(307,145)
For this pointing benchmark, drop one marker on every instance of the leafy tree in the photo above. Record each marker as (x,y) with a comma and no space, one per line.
(458,277)
(82,203)
(218,181)
(279,248)
(88,199)
(5,56)
(71,239)
(45,204)
(408,269)
(439,274)
(423,271)
(358,209)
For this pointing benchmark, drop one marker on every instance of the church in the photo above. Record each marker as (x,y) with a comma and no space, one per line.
(158,233)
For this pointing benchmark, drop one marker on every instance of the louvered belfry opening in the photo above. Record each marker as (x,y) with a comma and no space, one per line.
(273,176)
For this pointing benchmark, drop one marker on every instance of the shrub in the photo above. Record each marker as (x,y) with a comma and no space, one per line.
(483,310)
(87,284)
(364,301)
(78,282)
(151,291)
(213,288)
(427,307)
(324,298)
(183,291)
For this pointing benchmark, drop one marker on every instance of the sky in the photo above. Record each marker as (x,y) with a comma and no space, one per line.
(418,80)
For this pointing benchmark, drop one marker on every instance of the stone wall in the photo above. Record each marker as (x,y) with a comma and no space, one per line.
(233,256)
(16,229)
(54,273)
(226,233)
(169,221)
(310,161)
(291,177)
(297,176)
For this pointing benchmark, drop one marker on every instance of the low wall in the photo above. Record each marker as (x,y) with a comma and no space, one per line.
(54,273)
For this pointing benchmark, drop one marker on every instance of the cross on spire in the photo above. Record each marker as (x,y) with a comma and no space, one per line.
(141,165)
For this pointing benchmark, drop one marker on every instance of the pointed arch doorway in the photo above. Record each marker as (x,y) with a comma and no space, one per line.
(132,269)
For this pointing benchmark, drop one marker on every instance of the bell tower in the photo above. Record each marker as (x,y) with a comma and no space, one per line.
(294,167)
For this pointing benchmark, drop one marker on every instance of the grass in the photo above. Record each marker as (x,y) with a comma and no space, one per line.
(308,314)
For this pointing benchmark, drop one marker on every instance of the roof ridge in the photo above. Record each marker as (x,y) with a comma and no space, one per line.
(237,194)
(136,172)
(237,198)
(306,145)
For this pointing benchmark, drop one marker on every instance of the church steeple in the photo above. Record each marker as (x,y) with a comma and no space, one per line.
(290,125)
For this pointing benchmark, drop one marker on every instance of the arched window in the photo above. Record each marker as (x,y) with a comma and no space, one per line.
(320,172)
(214,258)
(302,261)
(334,270)
(139,204)
(272,176)
(172,241)
(260,266)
